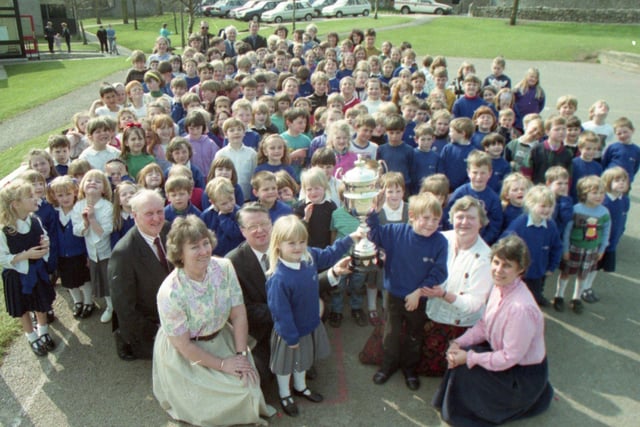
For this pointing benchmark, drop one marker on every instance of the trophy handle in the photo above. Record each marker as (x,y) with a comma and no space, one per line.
(384,166)
(339,173)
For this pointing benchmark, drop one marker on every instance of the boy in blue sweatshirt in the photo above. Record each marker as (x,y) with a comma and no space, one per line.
(623,153)
(178,190)
(479,172)
(540,233)
(396,154)
(425,161)
(416,258)
(453,158)
(466,105)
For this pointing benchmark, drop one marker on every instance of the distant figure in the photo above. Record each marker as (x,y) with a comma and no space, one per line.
(66,35)
(101,34)
(111,38)
(49,35)
(164,32)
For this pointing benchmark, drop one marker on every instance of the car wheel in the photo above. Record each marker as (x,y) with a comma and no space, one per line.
(405,10)
(365,12)
(439,12)
(338,14)
(278,19)
(308,17)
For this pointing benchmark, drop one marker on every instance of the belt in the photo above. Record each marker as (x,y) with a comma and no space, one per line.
(206,337)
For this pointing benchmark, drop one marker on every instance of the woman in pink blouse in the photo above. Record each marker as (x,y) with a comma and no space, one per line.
(498,368)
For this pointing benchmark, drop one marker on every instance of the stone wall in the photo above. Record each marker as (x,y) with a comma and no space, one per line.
(619,16)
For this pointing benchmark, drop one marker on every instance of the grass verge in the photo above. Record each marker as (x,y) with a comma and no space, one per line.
(34,83)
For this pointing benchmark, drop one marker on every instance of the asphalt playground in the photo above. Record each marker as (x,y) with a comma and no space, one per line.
(594,358)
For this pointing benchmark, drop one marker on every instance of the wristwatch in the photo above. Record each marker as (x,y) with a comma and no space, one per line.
(242,353)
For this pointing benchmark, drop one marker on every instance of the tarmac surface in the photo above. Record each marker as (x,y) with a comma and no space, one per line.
(594,358)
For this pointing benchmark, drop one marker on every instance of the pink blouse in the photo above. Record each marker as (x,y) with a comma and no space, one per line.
(514,327)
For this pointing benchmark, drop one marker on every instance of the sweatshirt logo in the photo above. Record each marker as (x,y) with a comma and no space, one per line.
(428,260)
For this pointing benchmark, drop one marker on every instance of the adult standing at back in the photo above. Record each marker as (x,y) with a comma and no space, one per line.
(101,34)
(137,268)
(255,40)
(231,34)
(49,35)
(206,36)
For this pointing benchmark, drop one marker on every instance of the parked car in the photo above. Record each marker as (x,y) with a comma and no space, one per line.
(319,4)
(347,7)
(203,7)
(223,7)
(284,12)
(422,6)
(254,11)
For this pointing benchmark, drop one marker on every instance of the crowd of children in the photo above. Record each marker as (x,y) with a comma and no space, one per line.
(280,126)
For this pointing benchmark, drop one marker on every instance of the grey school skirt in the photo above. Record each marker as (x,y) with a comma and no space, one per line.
(312,347)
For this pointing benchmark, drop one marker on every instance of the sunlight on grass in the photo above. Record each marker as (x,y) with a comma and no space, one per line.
(34,83)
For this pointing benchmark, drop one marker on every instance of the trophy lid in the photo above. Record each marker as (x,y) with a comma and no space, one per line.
(360,173)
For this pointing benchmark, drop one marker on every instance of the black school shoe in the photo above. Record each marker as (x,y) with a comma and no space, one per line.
(589,296)
(359,317)
(381,377)
(77,310)
(311,396)
(47,342)
(558,304)
(38,348)
(87,310)
(335,319)
(576,306)
(411,380)
(289,406)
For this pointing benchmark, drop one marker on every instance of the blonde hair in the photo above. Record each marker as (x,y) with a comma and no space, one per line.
(61,183)
(12,192)
(266,140)
(586,185)
(539,194)
(425,203)
(341,126)
(613,173)
(219,187)
(314,176)
(106,187)
(37,152)
(286,229)
(508,182)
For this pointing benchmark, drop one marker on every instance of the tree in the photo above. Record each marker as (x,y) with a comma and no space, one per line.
(125,12)
(190,6)
(514,12)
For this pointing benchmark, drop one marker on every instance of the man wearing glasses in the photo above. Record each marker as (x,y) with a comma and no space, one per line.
(206,36)
(250,262)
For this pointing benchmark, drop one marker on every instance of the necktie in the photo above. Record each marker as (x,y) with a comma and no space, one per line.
(264,262)
(161,256)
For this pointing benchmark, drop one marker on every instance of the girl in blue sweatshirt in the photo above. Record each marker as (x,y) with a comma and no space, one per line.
(298,337)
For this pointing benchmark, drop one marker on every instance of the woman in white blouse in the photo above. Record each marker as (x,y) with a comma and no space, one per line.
(457,304)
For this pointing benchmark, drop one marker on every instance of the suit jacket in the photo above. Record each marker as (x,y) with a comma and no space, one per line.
(229,49)
(259,42)
(252,281)
(135,275)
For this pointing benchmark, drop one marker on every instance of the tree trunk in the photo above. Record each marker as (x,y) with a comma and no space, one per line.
(135,15)
(125,12)
(160,11)
(514,12)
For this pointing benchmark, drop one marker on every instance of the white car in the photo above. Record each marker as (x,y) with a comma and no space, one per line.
(347,7)
(284,12)
(422,6)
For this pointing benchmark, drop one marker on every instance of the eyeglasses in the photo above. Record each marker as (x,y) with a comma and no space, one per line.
(254,227)
(204,28)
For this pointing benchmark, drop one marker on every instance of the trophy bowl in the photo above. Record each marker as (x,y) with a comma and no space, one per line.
(361,188)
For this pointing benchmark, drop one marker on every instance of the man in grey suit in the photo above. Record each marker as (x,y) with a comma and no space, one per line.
(137,268)
(249,261)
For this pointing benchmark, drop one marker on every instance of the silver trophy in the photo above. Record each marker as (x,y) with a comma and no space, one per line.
(361,188)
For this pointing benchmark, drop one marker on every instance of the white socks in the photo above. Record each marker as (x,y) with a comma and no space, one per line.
(299,380)
(43,329)
(76,295)
(283,385)
(87,292)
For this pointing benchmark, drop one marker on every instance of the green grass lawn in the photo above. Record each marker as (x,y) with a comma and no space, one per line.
(529,40)
(33,83)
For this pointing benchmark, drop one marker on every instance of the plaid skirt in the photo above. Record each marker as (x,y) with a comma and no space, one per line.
(581,262)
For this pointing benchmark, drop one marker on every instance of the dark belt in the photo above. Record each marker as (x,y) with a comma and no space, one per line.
(206,337)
